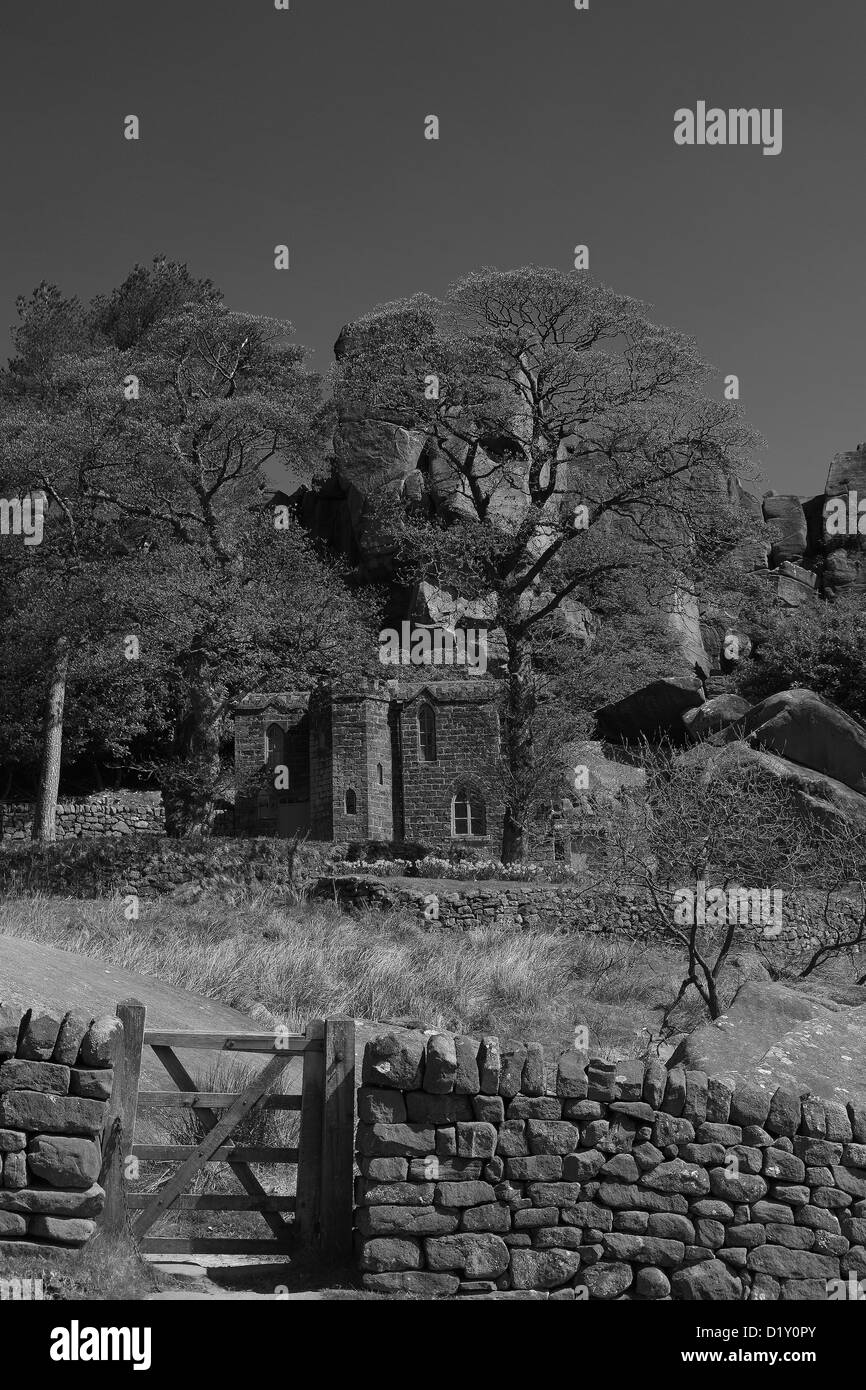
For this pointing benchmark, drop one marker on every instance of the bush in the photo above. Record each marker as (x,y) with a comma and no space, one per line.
(822,647)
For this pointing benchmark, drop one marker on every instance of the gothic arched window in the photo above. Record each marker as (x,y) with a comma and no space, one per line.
(427,734)
(351,802)
(275,742)
(468,815)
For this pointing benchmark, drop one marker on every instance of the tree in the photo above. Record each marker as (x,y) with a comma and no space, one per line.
(821,646)
(66,593)
(696,826)
(150,449)
(571,443)
(234,601)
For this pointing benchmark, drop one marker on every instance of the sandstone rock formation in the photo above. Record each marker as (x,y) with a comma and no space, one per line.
(819,795)
(721,712)
(787,513)
(772,1036)
(655,708)
(807,729)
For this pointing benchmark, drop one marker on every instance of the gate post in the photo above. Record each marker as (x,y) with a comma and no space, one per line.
(120,1119)
(308,1189)
(338,1139)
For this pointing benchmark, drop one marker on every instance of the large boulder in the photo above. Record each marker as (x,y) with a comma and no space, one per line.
(608,778)
(738,970)
(818,796)
(793,585)
(683,622)
(722,712)
(844,572)
(443,607)
(655,708)
(773,1036)
(847,473)
(611,785)
(807,729)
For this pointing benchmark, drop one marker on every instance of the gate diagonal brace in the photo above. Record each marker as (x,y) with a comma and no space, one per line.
(218,1132)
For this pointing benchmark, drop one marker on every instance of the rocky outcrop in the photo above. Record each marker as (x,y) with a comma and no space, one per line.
(844,572)
(807,729)
(374,461)
(790,522)
(722,712)
(656,708)
(379,462)
(608,777)
(684,625)
(819,795)
(772,1036)
(804,558)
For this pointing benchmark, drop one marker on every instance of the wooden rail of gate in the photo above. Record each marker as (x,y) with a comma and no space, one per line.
(320,1212)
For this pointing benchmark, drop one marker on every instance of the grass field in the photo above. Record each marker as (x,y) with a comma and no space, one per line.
(286,962)
(291,962)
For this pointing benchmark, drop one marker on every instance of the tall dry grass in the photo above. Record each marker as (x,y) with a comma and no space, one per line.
(288,962)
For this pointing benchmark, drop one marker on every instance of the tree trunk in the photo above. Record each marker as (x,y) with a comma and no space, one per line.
(45,811)
(518,748)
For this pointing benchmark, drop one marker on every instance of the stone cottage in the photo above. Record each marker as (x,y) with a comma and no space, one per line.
(394,760)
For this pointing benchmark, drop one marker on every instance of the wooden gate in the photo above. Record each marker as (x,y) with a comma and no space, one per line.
(319,1215)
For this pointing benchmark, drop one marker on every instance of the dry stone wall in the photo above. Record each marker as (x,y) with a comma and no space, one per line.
(460,906)
(55,1082)
(488,1172)
(108,814)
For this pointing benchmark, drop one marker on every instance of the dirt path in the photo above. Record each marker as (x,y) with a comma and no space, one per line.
(43,977)
(235,1277)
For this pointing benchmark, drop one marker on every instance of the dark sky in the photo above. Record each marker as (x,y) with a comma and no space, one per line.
(306,127)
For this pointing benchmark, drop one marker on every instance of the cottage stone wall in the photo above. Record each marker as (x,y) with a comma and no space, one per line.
(361,741)
(257,800)
(485,1171)
(467,756)
(56,1077)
